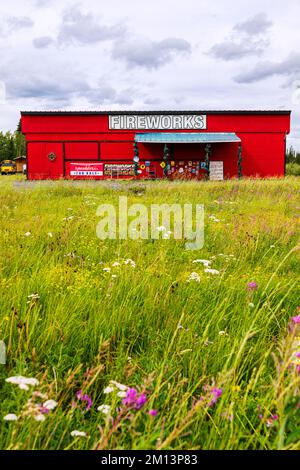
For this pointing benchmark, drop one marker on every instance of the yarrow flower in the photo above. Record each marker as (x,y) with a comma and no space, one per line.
(212,271)
(105,409)
(22,382)
(205,262)
(76,433)
(50,404)
(10,417)
(193,277)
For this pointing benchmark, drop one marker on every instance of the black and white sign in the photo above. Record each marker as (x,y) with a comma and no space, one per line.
(157,121)
(216,172)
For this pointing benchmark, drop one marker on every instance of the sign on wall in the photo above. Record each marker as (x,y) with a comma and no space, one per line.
(157,121)
(118,169)
(216,172)
(83,170)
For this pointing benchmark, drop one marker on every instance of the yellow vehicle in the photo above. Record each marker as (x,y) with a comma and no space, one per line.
(8,167)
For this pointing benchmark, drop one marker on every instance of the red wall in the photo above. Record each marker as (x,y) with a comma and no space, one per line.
(86,137)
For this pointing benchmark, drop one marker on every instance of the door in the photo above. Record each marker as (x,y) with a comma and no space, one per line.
(45,160)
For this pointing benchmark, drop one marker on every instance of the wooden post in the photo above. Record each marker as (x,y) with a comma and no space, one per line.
(240,169)
(207,159)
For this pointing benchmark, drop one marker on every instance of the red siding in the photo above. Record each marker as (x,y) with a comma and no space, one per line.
(86,137)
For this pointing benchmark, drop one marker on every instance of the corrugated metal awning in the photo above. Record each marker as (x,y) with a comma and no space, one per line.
(186,137)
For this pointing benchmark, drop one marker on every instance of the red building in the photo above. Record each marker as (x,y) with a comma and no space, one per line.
(155,144)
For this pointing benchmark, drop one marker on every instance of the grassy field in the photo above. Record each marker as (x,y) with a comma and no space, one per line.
(209,365)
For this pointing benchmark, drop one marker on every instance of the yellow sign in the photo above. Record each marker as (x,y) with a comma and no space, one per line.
(142,167)
(163,165)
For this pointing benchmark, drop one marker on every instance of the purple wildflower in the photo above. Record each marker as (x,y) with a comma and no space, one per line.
(86,398)
(296,319)
(275,417)
(141,401)
(44,410)
(134,400)
(252,286)
(131,397)
(153,412)
(216,393)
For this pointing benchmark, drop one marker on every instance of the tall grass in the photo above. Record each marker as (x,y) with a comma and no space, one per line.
(149,328)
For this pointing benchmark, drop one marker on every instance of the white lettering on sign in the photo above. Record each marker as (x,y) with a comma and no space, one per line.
(160,121)
(216,172)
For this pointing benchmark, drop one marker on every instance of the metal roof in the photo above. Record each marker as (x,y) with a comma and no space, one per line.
(186,137)
(173,112)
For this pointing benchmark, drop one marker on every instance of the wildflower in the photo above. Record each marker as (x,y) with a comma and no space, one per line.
(161,228)
(50,404)
(296,319)
(104,408)
(153,412)
(22,382)
(222,333)
(251,305)
(50,234)
(121,394)
(39,417)
(10,417)
(107,270)
(252,286)
(211,271)
(76,433)
(131,262)
(118,385)
(193,277)
(84,397)
(114,276)
(108,390)
(205,262)
(215,394)
(27,234)
(116,263)
(134,400)
(236,388)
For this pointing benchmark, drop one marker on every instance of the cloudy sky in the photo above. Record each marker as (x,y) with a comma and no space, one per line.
(160,54)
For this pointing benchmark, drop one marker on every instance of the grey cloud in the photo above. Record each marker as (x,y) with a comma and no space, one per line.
(82,28)
(230,50)
(288,67)
(19,22)
(150,54)
(258,24)
(42,42)
(247,39)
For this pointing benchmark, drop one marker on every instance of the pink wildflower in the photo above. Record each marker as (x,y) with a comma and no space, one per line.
(153,412)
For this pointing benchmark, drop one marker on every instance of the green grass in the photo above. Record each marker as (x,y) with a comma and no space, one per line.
(148,328)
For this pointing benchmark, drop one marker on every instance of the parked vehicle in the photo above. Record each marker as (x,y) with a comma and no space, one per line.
(8,167)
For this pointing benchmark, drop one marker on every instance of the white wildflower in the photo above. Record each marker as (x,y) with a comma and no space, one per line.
(122,394)
(130,261)
(211,271)
(116,263)
(50,404)
(50,234)
(114,276)
(107,270)
(161,228)
(118,385)
(76,433)
(27,234)
(39,417)
(22,382)
(108,389)
(10,417)
(105,409)
(251,305)
(193,277)
(205,262)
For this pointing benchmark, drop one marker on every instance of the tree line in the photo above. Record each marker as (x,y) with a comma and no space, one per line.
(292,156)
(12,144)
